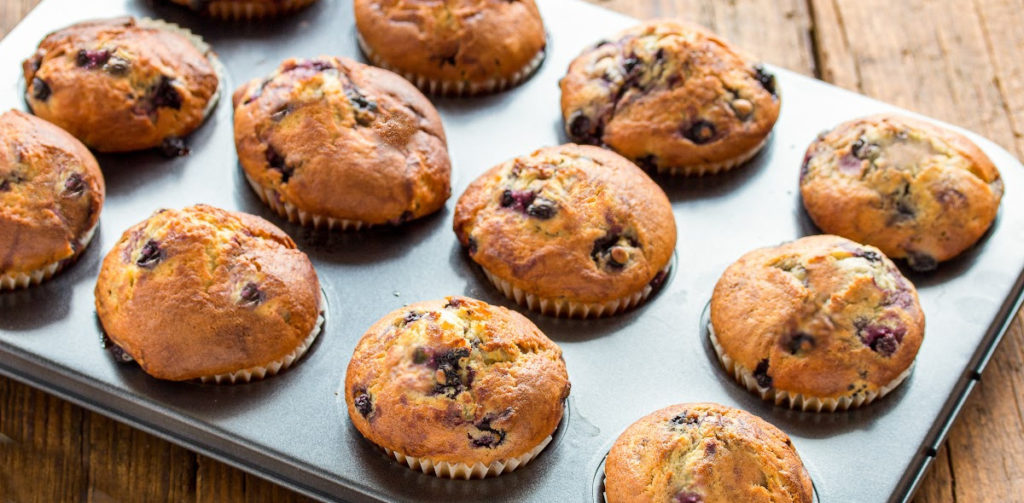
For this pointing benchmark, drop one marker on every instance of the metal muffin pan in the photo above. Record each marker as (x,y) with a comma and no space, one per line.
(292,429)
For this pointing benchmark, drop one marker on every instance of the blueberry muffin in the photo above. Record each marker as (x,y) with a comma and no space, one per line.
(457,388)
(51,194)
(672,97)
(244,9)
(820,323)
(570,230)
(208,294)
(454,47)
(123,84)
(332,142)
(705,452)
(916,191)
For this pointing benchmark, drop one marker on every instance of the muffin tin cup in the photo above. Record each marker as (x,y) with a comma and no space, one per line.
(444,469)
(296,216)
(460,88)
(15,280)
(715,167)
(799,401)
(246,11)
(561,308)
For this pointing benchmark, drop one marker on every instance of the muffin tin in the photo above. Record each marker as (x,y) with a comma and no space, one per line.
(293,429)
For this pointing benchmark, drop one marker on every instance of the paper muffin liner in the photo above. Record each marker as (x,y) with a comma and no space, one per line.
(715,167)
(797,400)
(478,470)
(561,308)
(262,371)
(202,47)
(455,88)
(237,11)
(15,280)
(297,216)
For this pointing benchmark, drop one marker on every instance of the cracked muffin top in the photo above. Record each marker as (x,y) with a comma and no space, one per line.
(456,380)
(122,84)
(914,190)
(340,139)
(203,291)
(821,316)
(670,96)
(244,9)
(705,453)
(573,222)
(51,194)
(488,44)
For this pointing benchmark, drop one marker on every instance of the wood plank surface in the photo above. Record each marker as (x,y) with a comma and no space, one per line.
(959,61)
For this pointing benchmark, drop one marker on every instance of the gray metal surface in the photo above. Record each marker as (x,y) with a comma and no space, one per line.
(290,428)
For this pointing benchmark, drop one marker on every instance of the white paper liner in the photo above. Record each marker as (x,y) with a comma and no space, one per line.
(202,47)
(15,280)
(797,400)
(714,167)
(297,216)
(262,371)
(478,470)
(252,10)
(456,88)
(561,308)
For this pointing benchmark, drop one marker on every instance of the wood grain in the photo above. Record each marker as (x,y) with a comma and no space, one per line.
(959,61)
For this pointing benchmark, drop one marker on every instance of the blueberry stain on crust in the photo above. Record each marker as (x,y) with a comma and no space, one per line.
(150,255)
(699,132)
(766,78)
(581,129)
(881,339)
(276,162)
(40,89)
(489,437)
(251,295)
(165,95)
(74,186)
(761,374)
(363,402)
(91,59)
(799,343)
(450,381)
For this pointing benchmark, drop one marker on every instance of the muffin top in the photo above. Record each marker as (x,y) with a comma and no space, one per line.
(705,452)
(669,95)
(574,222)
(454,40)
(345,140)
(203,291)
(51,193)
(821,316)
(914,190)
(456,380)
(121,84)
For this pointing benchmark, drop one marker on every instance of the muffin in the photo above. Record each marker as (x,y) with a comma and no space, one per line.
(820,323)
(916,191)
(123,84)
(570,230)
(208,294)
(51,194)
(697,452)
(244,9)
(672,97)
(457,388)
(331,142)
(455,47)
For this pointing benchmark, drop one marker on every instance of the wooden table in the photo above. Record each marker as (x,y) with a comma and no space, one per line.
(959,61)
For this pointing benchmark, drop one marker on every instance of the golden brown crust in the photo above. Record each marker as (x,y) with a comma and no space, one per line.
(669,95)
(705,453)
(118,85)
(344,140)
(821,316)
(244,9)
(453,41)
(51,193)
(203,291)
(456,380)
(913,189)
(571,222)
